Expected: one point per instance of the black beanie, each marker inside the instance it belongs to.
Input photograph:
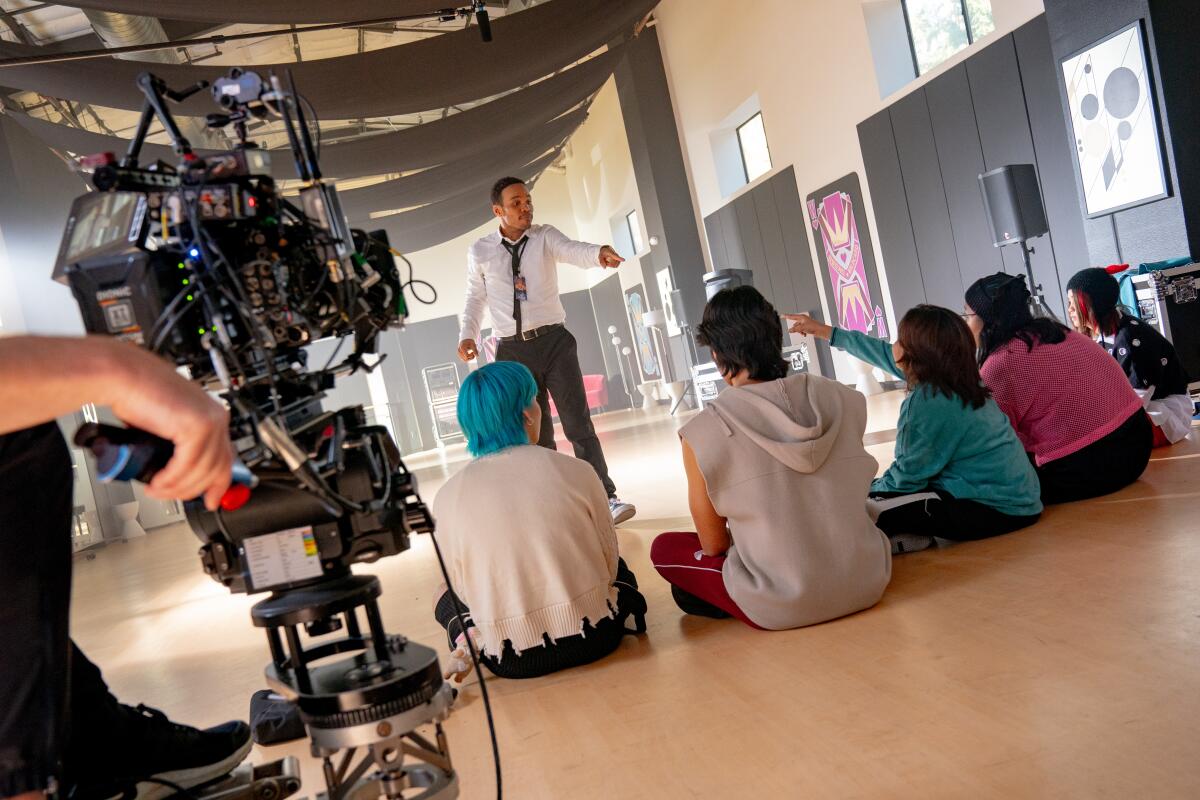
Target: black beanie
(1102, 289)
(983, 293)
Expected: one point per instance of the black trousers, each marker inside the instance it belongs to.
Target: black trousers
(554, 362)
(1103, 467)
(940, 514)
(596, 641)
(57, 717)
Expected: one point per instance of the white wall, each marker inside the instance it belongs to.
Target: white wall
(810, 64)
(601, 182)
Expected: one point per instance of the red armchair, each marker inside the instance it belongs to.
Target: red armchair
(596, 387)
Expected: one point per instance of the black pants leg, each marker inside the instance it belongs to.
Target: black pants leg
(57, 717)
(35, 571)
(554, 361)
(1103, 467)
(596, 641)
(940, 514)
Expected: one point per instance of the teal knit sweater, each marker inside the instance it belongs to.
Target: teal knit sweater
(941, 443)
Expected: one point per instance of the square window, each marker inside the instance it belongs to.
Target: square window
(635, 230)
(752, 140)
(938, 29)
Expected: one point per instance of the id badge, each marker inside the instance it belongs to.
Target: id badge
(522, 293)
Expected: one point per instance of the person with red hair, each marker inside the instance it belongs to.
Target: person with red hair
(1148, 359)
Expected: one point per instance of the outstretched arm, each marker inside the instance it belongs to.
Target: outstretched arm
(875, 352)
(42, 378)
(581, 254)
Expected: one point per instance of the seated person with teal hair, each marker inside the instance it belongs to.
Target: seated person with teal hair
(528, 541)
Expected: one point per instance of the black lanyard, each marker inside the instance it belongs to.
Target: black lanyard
(516, 250)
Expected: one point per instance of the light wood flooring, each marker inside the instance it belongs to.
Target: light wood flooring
(1059, 661)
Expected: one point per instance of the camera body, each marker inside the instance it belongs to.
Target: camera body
(211, 266)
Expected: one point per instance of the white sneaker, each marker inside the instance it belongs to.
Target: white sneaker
(621, 512)
(910, 543)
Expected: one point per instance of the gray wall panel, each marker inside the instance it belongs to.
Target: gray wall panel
(927, 200)
(774, 251)
(715, 232)
(1005, 133)
(1052, 145)
(756, 257)
(893, 225)
(608, 305)
(1151, 231)
(581, 322)
(793, 222)
(659, 168)
(960, 154)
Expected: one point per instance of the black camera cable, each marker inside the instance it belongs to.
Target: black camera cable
(487, 703)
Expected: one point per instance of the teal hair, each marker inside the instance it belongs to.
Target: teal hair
(491, 405)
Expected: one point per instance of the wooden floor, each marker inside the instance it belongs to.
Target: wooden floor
(1059, 661)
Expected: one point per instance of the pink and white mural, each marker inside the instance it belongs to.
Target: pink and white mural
(833, 215)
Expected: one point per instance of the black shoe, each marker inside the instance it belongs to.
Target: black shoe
(690, 604)
(163, 756)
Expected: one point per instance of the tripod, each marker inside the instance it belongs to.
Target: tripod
(1037, 301)
(374, 700)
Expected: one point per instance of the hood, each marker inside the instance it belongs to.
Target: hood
(796, 419)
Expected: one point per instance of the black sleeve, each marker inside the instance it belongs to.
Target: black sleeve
(1148, 359)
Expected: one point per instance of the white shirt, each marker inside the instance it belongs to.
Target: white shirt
(490, 280)
(528, 557)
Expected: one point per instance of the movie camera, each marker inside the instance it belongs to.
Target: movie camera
(210, 265)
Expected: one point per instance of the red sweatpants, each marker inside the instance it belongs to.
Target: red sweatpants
(674, 555)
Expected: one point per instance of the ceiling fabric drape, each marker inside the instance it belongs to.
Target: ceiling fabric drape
(444, 220)
(279, 12)
(447, 180)
(487, 126)
(437, 72)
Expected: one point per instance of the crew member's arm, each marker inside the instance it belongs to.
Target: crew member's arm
(711, 527)
(42, 378)
(580, 254)
(472, 316)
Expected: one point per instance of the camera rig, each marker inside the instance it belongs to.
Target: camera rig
(210, 265)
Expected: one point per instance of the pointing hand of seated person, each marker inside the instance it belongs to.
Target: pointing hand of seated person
(609, 257)
(803, 323)
(157, 399)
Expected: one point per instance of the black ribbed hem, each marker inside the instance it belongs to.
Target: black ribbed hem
(24, 779)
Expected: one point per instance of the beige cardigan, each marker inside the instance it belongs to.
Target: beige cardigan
(529, 544)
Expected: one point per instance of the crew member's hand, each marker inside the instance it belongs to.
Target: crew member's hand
(155, 398)
(803, 323)
(609, 257)
(467, 350)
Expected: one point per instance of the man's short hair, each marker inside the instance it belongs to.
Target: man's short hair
(499, 186)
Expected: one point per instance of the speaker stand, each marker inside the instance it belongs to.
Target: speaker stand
(1037, 301)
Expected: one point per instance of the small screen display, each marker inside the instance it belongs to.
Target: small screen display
(103, 220)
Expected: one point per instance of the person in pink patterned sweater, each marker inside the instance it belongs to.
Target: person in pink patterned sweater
(1069, 401)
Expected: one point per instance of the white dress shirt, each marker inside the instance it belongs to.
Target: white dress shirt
(490, 280)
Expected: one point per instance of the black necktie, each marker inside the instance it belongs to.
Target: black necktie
(515, 250)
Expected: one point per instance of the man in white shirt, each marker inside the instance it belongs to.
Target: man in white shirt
(512, 272)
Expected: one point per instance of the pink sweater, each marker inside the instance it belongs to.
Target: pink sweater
(1059, 397)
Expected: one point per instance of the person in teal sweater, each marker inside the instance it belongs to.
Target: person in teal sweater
(959, 473)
